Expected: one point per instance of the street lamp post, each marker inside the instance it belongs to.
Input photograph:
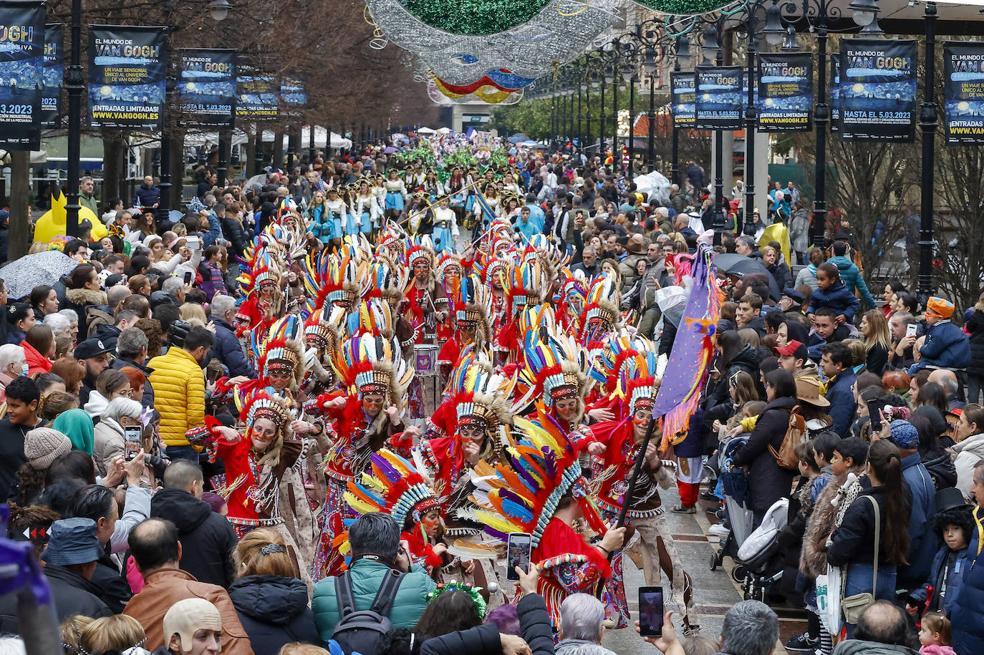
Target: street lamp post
(601, 119)
(681, 61)
(580, 137)
(712, 52)
(75, 83)
(928, 119)
(650, 69)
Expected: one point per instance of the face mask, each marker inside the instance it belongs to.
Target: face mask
(25, 369)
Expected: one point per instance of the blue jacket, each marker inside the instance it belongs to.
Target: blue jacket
(843, 407)
(837, 298)
(147, 197)
(367, 576)
(954, 577)
(922, 538)
(851, 276)
(965, 611)
(229, 351)
(946, 346)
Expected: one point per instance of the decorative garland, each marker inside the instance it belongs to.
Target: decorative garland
(473, 593)
(684, 7)
(475, 17)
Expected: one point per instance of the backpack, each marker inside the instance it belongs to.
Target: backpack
(796, 434)
(361, 631)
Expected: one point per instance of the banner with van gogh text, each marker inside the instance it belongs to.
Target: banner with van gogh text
(963, 92)
(206, 87)
(127, 68)
(718, 103)
(21, 74)
(785, 84)
(54, 74)
(878, 90)
(682, 88)
(256, 96)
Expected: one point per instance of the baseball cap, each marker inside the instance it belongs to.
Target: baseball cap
(91, 348)
(792, 349)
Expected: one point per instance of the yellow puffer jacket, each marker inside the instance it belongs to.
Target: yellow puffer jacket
(179, 394)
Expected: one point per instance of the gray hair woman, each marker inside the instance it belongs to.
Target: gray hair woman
(110, 433)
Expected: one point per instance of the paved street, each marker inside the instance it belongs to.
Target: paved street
(715, 591)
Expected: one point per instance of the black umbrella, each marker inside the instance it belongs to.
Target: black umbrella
(742, 266)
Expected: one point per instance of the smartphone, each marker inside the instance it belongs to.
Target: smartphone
(194, 243)
(518, 550)
(651, 611)
(910, 329)
(134, 441)
(874, 414)
(189, 276)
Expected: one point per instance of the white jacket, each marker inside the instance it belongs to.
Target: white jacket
(968, 452)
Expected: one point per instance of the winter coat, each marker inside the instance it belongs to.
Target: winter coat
(851, 276)
(767, 483)
(807, 276)
(837, 298)
(109, 440)
(166, 586)
(854, 539)
(923, 542)
(534, 624)
(843, 407)
(781, 274)
(946, 346)
(965, 614)
(207, 538)
(799, 231)
(179, 387)
(975, 327)
(36, 362)
(957, 562)
(968, 453)
(274, 611)
(813, 557)
(147, 196)
(229, 351)
(112, 588)
(367, 576)
(81, 300)
(233, 232)
(72, 595)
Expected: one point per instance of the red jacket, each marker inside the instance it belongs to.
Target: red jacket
(36, 362)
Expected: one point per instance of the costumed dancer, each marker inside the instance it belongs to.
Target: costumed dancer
(472, 306)
(615, 445)
(337, 212)
(262, 483)
(396, 194)
(601, 314)
(527, 287)
(539, 490)
(364, 418)
(445, 227)
(425, 309)
(367, 209)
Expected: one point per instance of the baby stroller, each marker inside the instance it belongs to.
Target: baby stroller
(759, 565)
(733, 485)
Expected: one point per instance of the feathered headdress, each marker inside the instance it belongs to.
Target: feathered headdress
(368, 364)
(637, 381)
(602, 310)
(555, 365)
(418, 249)
(473, 304)
(387, 279)
(259, 403)
(522, 494)
(393, 485)
(283, 349)
(323, 328)
(480, 393)
(527, 286)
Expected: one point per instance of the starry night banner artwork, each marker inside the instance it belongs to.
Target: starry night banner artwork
(127, 66)
(682, 85)
(719, 102)
(54, 74)
(21, 74)
(963, 92)
(206, 88)
(878, 90)
(785, 83)
(257, 97)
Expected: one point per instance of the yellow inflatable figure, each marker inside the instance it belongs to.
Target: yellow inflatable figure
(51, 225)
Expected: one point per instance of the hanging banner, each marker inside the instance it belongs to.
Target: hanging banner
(878, 90)
(256, 96)
(21, 74)
(54, 74)
(293, 93)
(718, 103)
(835, 92)
(206, 88)
(785, 85)
(127, 68)
(682, 89)
(963, 92)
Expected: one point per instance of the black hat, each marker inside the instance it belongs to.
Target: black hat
(91, 348)
(950, 498)
(71, 542)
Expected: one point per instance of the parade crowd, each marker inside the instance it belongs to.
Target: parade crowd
(307, 417)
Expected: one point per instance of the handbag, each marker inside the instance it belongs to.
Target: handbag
(795, 435)
(854, 605)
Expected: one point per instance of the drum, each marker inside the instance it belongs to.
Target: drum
(425, 359)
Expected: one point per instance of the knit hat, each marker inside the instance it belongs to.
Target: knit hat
(42, 446)
(904, 434)
(939, 307)
(188, 616)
